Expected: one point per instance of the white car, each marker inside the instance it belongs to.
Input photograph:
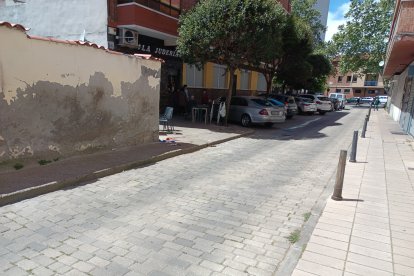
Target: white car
(255, 110)
(323, 104)
(367, 100)
(383, 99)
(305, 105)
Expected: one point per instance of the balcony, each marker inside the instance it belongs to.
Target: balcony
(155, 5)
(370, 83)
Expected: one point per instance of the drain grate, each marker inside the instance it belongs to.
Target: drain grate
(398, 132)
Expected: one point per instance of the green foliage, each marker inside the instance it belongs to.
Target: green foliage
(294, 236)
(230, 32)
(362, 42)
(306, 216)
(44, 162)
(18, 166)
(236, 33)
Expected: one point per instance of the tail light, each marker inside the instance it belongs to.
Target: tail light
(286, 103)
(263, 112)
(318, 102)
(306, 104)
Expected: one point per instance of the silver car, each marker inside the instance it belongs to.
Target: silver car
(305, 105)
(323, 104)
(248, 110)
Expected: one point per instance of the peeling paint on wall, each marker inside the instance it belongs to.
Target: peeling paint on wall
(73, 99)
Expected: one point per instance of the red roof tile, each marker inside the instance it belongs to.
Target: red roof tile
(73, 42)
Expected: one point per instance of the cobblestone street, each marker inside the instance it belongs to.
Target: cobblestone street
(223, 210)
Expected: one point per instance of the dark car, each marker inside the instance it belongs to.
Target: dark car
(289, 101)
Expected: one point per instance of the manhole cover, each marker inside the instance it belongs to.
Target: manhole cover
(398, 132)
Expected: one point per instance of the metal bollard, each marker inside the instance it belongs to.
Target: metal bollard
(364, 128)
(369, 111)
(354, 147)
(340, 173)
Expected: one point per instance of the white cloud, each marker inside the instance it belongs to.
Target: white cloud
(335, 19)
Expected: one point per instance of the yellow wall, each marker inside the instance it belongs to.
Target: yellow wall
(253, 80)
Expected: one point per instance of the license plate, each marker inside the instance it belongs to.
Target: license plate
(276, 113)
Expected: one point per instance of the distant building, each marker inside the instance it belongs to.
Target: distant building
(355, 85)
(399, 65)
(323, 7)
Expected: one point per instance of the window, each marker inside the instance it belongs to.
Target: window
(261, 83)
(194, 76)
(358, 91)
(338, 90)
(347, 91)
(220, 76)
(244, 79)
(339, 78)
(371, 91)
(348, 78)
(354, 78)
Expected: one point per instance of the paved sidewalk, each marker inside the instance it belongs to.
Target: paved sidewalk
(372, 231)
(34, 179)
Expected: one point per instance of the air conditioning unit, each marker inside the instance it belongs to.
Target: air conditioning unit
(128, 38)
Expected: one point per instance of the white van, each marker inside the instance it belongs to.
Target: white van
(383, 99)
(341, 97)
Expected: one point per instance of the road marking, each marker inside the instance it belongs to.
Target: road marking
(303, 125)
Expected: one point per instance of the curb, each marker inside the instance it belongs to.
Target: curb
(17, 196)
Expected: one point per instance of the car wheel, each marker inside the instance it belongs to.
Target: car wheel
(245, 120)
(289, 116)
(269, 125)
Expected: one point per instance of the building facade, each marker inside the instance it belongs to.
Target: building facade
(399, 65)
(323, 7)
(354, 84)
(133, 27)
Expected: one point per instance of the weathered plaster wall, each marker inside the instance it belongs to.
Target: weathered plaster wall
(63, 19)
(59, 98)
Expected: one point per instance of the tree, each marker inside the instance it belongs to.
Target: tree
(297, 46)
(230, 32)
(361, 43)
(305, 10)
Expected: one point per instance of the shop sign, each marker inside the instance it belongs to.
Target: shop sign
(157, 50)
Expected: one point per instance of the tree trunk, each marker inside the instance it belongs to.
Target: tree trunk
(268, 78)
(229, 93)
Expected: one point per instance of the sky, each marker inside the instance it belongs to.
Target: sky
(337, 10)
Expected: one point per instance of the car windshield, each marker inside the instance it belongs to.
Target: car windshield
(275, 102)
(262, 102)
(339, 96)
(323, 98)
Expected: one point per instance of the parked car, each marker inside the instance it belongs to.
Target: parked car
(341, 98)
(367, 100)
(289, 102)
(353, 100)
(383, 100)
(305, 105)
(335, 104)
(255, 110)
(323, 104)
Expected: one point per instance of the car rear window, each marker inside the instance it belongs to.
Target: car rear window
(291, 100)
(262, 102)
(306, 100)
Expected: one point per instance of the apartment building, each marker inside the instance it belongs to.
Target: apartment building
(354, 84)
(399, 65)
